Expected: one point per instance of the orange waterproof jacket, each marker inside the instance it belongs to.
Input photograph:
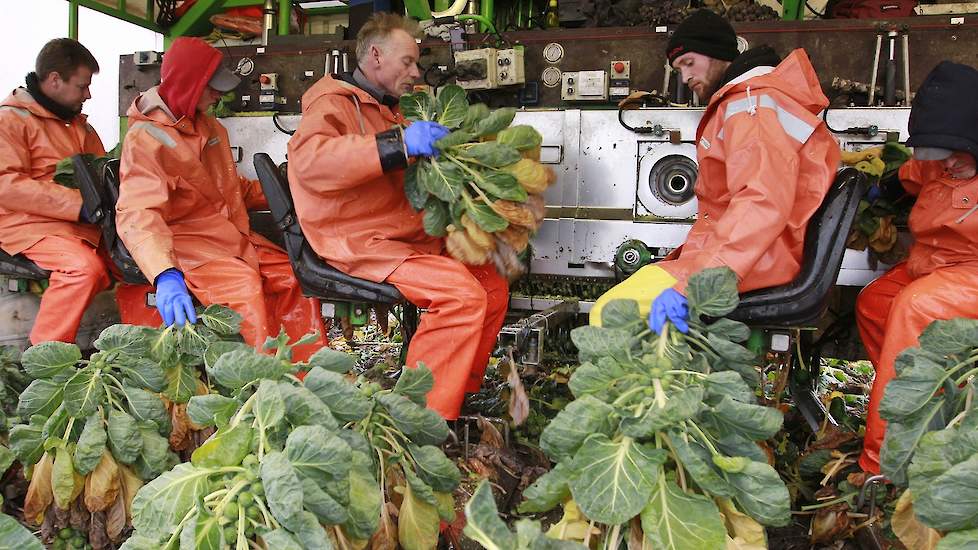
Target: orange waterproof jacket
(181, 201)
(32, 142)
(766, 161)
(354, 214)
(944, 220)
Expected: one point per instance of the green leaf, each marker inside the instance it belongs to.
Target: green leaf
(346, 403)
(959, 540)
(495, 122)
(452, 106)
(211, 409)
(521, 136)
(615, 478)
(548, 491)
(761, 494)
(675, 520)
(63, 477)
(492, 154)
(125, 441)
(417, 106)
(124, 339)
(221, 319)
(443, 179)
(902, 438)
(458, 137)
(216, 349)
(56, 424)
(269, 406)
(753, 421)
(27, 443)
(280, 539)
(731, 464)
(6, 459)
(317, 455)
(415, 383)
(697, 460)
(680, 407)
(15, 535)
(912, 388)
(712, 292)
(146, 406)
(325, 507)
(501, 185)
(606, 380)
(333, 361)
(727, 384)
(733, 353)
(49, 359)
(162, 503)
(436, 469)
(181, 383)
(436, 217)
(944, 481)
(84, 392)
(446, 506)
(311, 536)
(483, 524)
(227, 447)
(90, 446)
(302, 407)
(728, 329)
(623, 314)
(155, 456)
(415, 192)
(142, 372)
(204, 532)
(235, 369)
(417, 520)
(365, 502)
(41, 397)
(484, 216)
(581, 418)
(423, 426)
(473, 116)
(950, 337)
(283, 492)
(596, 342)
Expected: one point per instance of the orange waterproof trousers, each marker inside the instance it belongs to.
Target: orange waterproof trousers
(266, 299)
(891, 312)
(465, 307)
(78, 273)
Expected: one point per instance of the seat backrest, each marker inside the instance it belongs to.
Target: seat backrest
(279, 197)
(100, 191)
(804, 299)
(19, 267)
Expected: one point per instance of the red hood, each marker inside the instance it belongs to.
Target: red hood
(187, 67)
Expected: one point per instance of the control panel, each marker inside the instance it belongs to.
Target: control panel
(619, 84)
(584, 86)
(489, 68)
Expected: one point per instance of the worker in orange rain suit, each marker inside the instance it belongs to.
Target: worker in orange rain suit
(939, 280)
(183, 208)
(766, 161)
(346, 164)
(39, 126)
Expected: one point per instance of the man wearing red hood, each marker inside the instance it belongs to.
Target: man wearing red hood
(346, 171)
(39, 126)
(766, 161)
(183, 208)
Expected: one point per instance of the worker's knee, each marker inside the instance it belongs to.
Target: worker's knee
(85, 266)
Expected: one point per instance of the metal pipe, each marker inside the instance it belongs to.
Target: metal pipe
(284, 17)
(268, 19)
(487, 10)
(906, 68)
(480, 19)
(441, 5)
(889, 89)
(876, 62)
(73, 19)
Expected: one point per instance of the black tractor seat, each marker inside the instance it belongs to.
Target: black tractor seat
(19, 267)
(805, 299)
(99, 195)
(317, 278)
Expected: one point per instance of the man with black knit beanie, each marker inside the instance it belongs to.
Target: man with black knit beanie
(766, 161)
(39, 126)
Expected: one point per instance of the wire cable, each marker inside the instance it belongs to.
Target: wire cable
(279, 126)
(167, 13)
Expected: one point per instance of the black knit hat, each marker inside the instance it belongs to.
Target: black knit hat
(703, 32)
(945, 113)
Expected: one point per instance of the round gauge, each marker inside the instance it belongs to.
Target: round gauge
(553, 52)
(551, 77)
(742, 44)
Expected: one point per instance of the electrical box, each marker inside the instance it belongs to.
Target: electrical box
(146, 58)
(619, 84)
(584, 86)
(268, 82)
(509, 67)
(476, 69)
(269, 98)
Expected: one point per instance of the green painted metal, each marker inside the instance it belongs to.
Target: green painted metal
(487, 10)
(145, 22)
(484, 21)
(793, 10)
(442, 5)
(73, 19)
(328, 10)
(418, 9)
(284, 16)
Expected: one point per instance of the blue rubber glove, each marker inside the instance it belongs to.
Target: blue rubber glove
(173, 300)
(671, 306)
(873, 193)
(420, 138)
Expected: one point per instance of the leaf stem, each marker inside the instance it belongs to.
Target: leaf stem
(660, 393)
(705, 438)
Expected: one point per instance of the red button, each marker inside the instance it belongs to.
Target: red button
(264, 79)
(619, 67)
